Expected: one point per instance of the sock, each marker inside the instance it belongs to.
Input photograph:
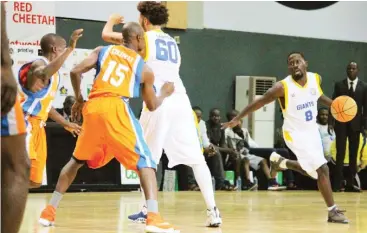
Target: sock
(283, 164)
(204, 180)
(331, 207)
(152, 206)
(55, 199)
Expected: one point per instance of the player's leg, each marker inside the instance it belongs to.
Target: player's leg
(89, 146)
(127, 143)
(38, 152)
(155, 126)
(14, 170)
(183, 147)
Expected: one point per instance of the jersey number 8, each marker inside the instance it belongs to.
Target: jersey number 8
(166, 50)
(119, 75)
(308, 115)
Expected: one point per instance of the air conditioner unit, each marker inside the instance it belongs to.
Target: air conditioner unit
(260, 123)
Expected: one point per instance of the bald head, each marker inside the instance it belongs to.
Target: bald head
(51, 42)
(131, 30)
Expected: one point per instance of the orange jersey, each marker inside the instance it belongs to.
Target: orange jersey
(37, 104)
(119, 71)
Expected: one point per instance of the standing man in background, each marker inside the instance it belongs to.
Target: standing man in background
(356, 89)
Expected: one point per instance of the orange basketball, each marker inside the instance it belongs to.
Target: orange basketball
(344, 108)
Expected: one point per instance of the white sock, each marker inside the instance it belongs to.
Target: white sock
(204, 180)
(152, 206)
(274, 157)
(55, 199)
(283, 164)
(331, 207)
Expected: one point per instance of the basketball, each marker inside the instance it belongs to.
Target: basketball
(344, 108)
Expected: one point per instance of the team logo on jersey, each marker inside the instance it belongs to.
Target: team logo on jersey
(313, 91)
(11, 50)
(63, 91)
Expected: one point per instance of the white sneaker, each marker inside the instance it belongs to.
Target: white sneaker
(213, 218)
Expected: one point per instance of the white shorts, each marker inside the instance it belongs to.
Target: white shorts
(172, 127)
(254, 160)
(307, 146)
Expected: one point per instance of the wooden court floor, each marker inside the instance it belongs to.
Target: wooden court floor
(255, 212)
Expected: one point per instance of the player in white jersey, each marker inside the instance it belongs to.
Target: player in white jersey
(298, 95)
(173, 126)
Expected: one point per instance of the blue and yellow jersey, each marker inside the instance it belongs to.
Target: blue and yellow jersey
(119, 72)
(37, 104)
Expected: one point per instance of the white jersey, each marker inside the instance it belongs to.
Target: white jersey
(300, 108)
(164, 58)
(300, 130)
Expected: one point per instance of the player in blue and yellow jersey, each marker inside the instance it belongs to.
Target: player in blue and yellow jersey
(14, 158)
(120, 74)
(39, 81)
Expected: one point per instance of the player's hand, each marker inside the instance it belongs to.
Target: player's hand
(234, 122)
(73, 128)
(116, 19)
(76, 111)
(8, 91)
(75, 37)
(167, 89)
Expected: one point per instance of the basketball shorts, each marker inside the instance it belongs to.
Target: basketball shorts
(173, 127)
(110, 130)
(307, 146)
(13, 123)
(36, 147)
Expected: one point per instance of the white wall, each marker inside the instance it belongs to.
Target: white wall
(97, 10)
(341, 21)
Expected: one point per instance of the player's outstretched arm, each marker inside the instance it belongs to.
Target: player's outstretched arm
(325, 100)
(8, 83)
(108, 34)
(149, 96)
(272, 94)
(76, 73)
(39, 70)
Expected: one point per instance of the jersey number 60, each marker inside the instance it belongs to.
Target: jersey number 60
(166, 50)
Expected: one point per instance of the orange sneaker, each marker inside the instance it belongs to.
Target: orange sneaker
(48, 216)
(155, 224)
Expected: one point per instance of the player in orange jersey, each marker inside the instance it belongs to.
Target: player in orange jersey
(39, 81)
(14, 158)
(120, 73)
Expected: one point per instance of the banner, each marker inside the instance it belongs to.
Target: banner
(27, 22)
(128, 176)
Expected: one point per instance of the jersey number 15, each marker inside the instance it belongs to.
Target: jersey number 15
(118, 77)
(166, 50)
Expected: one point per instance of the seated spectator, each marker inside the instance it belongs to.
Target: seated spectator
(66, 110)
(215, 160)
(240, 140)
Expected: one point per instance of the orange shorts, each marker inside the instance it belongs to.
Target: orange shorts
(37, 148)
(110, 130)
(13, 123)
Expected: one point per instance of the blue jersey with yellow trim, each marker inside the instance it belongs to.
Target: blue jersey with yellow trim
(37, 104)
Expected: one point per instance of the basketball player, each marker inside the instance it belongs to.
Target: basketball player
(39, 82)
(14, 158)
(120, 71)
(172, 126)
(298, 94)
